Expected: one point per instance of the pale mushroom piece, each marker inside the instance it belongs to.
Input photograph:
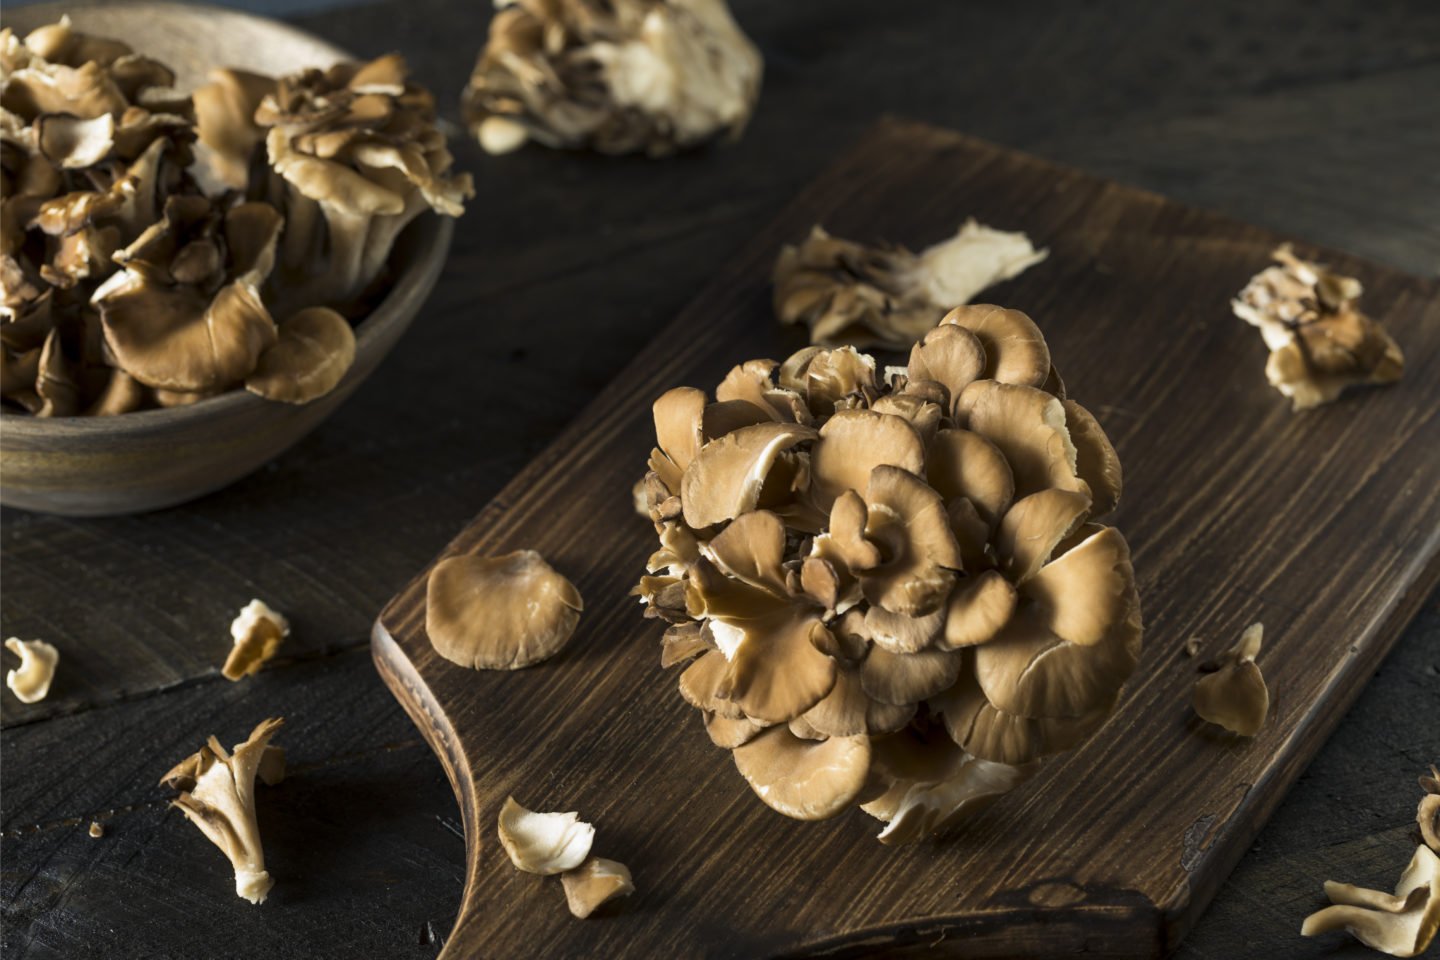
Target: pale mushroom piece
(626, 76)
(97, 829)
(594, 883)
(847, 292)
(1401, 924)
(1015, 350)
(1234, 695)
(726, 477)
(499, 613)
(988, 732)
(804, 779)
(311, 354)
(221, 802)
(30, 682)
(1427, 814)
(1320, 343)
(543, 843)
(257, 632)
(925, 809)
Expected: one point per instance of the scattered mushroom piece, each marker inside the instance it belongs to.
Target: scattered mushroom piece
(621, 76)
(1427, 815)
(850, 562)
(1234, 694)
(850, 293)
(30, 682)
(97, 829)
(257, 631)
(594, 883)
(499, 613)
(220, 800)
(1320, 343)
(543, 843)
(1401, 924)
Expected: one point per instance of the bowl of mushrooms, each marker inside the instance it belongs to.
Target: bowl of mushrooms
(198, 265)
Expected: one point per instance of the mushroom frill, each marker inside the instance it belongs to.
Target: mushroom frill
(891, 590)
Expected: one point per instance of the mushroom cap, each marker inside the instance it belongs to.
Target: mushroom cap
(543, 843)
(924, 809)
(725, 478)
(848, 711)
(852, 444)
(499, 613)
(804, 779)
(310, 356)
(595, 882)
(959, 463)
(978, 610)
(1034, 526)
(1015, 350)
(950, 355)
(919, 552)
(1235, 695)
(1402, 924)
(1028, 427)
(1095, 459)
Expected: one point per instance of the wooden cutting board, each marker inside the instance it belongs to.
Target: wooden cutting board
(1324, 525)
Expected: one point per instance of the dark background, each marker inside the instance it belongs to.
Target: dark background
(1317, 119)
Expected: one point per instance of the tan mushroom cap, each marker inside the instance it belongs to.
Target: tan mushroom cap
(1401, 924)
(844, 543)
(960, 463)
(988, 732)
(72, 143)
(309, 358)
(1235, 696)
(678, 414)
(777, 671)
(1081, 594)
(950, 355)
(499, 613)
(543, 843)
(977, 610)
(1028, 427)
(848, 711)
(1034, 526)
(1015, 349)
(595, 882)
(728, 733)
(900, 633)
(852, 444)
(901, 678)
(919, 553)
(725, 479)
(923, 809)
(700, 681)
(804, 779)
(225, 118)
(1095, 459)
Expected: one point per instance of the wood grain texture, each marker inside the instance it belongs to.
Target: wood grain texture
(1325, 526)
(1313, 118)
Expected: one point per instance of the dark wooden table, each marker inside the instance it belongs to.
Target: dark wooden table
(1316, 119)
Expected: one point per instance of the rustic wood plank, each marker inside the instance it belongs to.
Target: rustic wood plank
(1326, 526)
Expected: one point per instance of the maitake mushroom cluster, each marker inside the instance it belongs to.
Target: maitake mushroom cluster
(1320, 343)
(617, 76)
(891, 589)
(130, 277)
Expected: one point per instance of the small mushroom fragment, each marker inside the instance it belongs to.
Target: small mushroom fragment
(616, 76)
(257, 631)
(1401, 924)
(595, 882)
(310, 356)
(499, 613)
(30, 682)
(891, 591)
(220, 800)
(543, 843)
(1320, 343)
(1427, 815)
(97, 829)
(846, 292)
(1234, 694)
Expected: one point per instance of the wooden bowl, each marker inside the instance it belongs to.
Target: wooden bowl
(99, 466)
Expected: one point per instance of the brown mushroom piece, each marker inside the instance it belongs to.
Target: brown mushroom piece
(1401, 924)
(1320, 343)
(1015, 350)
(499, 613)
(311, 354)
(853, 443)
(257, 632)
(594, 883)
(623, 76)
(1028, 427)
(1234, 695)
(919, 553)
(851, 293)
(804, 779)
(726, 477)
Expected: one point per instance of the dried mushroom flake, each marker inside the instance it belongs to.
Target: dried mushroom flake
(257, 631)
(850, 293)
(1401, 924)
(1234, 694)
(499, 613)
(30, 682)
(616, 76)
(219, 797)
(1320, 343)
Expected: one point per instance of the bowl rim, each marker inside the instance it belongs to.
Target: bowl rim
(428, 236)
